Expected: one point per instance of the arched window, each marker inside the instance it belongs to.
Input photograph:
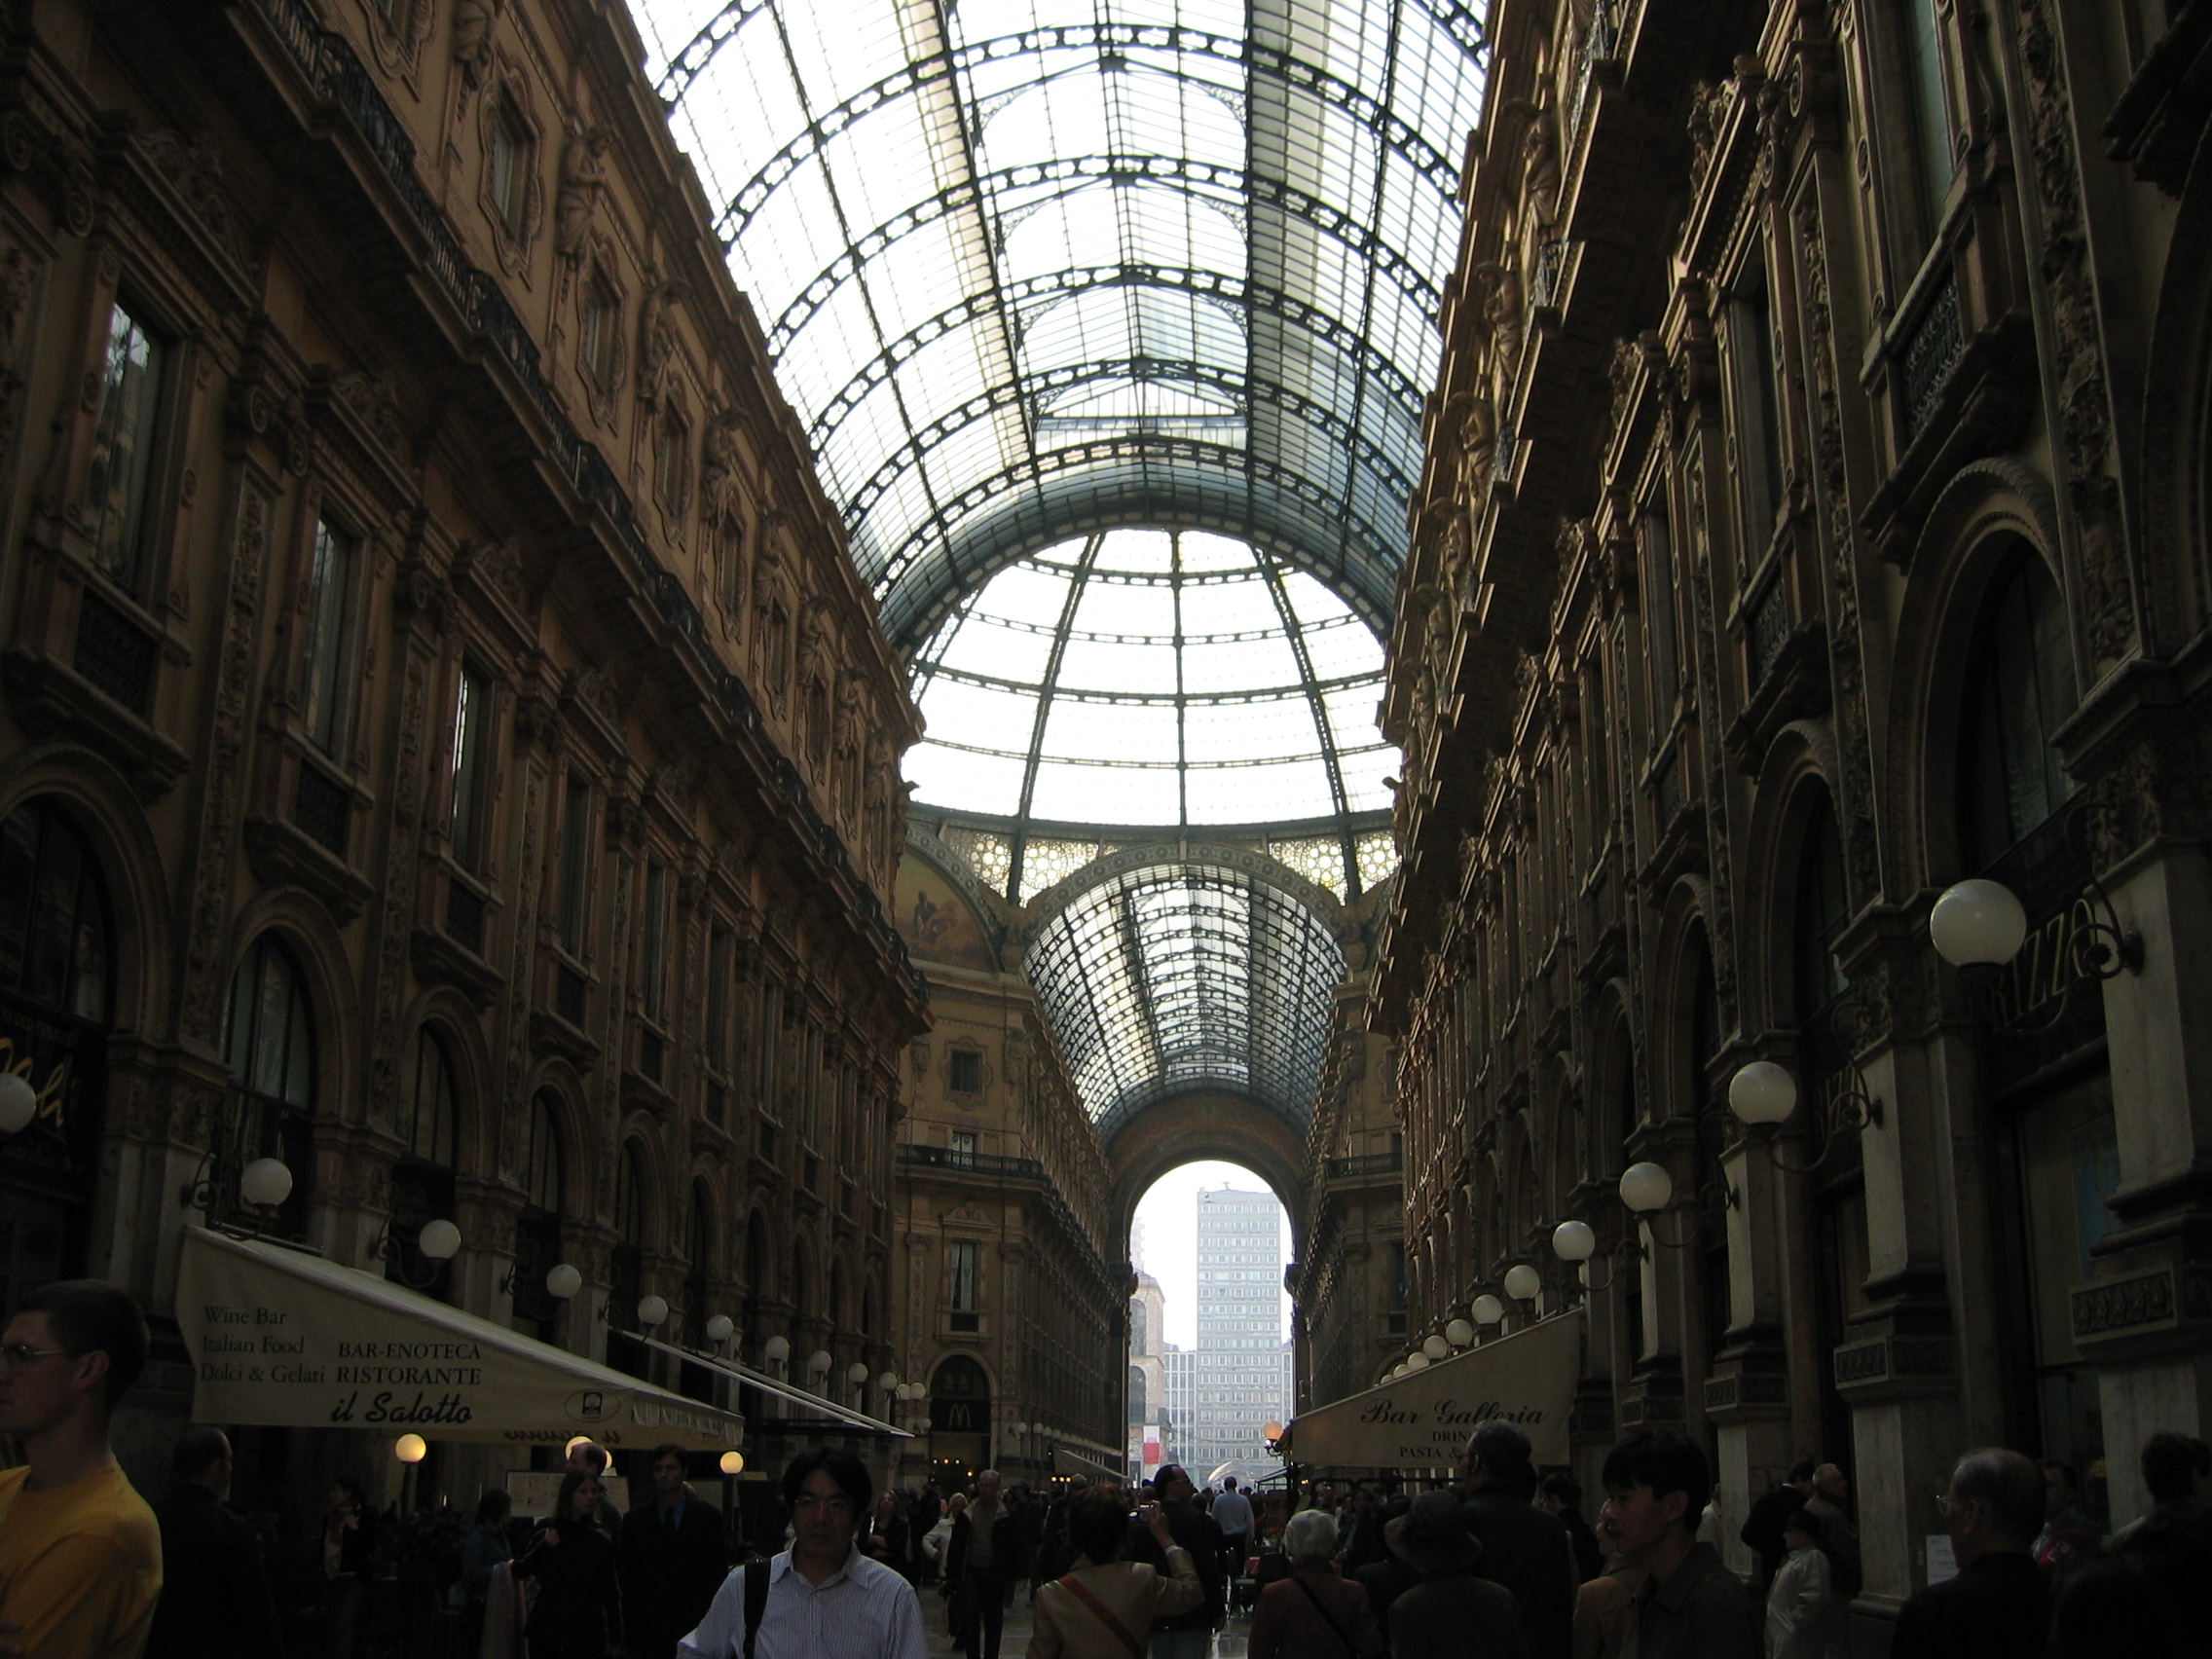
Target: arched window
(537, 1232)
(626, 1266)
(795, 1280)
(2022, 689)
(423, 1180)
(698, 1286)
(273, 1066)
(757, 1268)
(1822, 913)
(55, 943)
(1708, 1105)
(959, 1398)
(1136, 1395)
(55, 1007)
(836, 1307)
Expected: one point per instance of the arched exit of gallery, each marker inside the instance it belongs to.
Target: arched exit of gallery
(1211, 1356)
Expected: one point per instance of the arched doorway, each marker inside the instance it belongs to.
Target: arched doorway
(960, 1420)
(57, 1001)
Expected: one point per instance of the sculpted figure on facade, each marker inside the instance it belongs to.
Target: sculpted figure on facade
(583, 176)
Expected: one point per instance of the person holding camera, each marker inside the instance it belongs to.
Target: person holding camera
(1101, 1607)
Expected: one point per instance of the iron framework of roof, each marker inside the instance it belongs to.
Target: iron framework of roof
(1025, 279)
(1178, 977)
(909, 192)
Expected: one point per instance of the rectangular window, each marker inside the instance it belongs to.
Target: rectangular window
(471, 768)
(600, 333)
(572, 903)
(967, 1071)
(671, 464)
(324, 665)
(1922, 41)
(771, 1040)
(963, 1149)
(652, 939)
(123, 445)
(718, 999)
(510, 166)
(965, 1263)
(1658, 574)
(1758, 423)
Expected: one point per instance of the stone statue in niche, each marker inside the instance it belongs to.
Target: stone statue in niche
(583, 175)
(1502, 310)
(1477, 443)
(472, 24)
(1539, 170)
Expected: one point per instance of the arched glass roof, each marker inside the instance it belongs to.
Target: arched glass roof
(1187, 976)
(1175, 263)
(1151, 678)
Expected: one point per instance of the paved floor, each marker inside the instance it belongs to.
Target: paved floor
(1228, 1643)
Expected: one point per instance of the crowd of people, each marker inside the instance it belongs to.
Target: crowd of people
(1503, 1564)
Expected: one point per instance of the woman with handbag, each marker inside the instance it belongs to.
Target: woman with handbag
(579, 1613)
(1103, 1606)
(1313, 1612)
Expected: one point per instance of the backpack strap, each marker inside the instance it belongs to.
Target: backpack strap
(756, 1600)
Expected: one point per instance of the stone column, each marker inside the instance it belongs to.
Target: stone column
(1747, 1386)
(1898, 1365)
(2145, 1319)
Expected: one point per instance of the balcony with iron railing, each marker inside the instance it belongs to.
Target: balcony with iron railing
(1365, 1166)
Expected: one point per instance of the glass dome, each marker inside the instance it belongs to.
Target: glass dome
(1151, 678)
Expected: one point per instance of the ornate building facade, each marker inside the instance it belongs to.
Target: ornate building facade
(1811, 522)
(1010, 1291)
(1348, 1286)
(446, 744)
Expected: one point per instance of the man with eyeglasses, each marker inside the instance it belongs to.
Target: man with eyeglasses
(1999, 1601)
(80, 1551)
(821, 1599)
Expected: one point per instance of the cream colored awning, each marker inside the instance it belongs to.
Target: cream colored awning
(1423, 1419)
(789, 1392)
(282, 1337)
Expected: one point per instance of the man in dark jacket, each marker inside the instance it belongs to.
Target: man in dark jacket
(215, 1602)
(672, 1559)
(980, 1560)
(1999, 1602)
(1187, 1635)
(1523, 1549)
(1689, 1606)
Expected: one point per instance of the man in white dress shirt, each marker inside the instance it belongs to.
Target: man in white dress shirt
(825, 1599)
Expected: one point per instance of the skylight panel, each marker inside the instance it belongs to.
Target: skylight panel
(1363, 771)
(1136, 734)
(1025, 592)
(1115, 612)
(984, 644)
(979, 782)
(1147, 552)
(1103, 794)
(1245, 794)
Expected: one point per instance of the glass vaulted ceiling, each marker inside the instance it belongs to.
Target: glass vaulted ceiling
(1151, 678)
(1031, 273)
(1030, 269)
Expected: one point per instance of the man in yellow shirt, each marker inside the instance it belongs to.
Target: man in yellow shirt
(80, 1552)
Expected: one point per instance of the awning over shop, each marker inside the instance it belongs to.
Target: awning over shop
(1423, 1419)
(282, 1337)
(1066, 1461)
(859, 1423)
